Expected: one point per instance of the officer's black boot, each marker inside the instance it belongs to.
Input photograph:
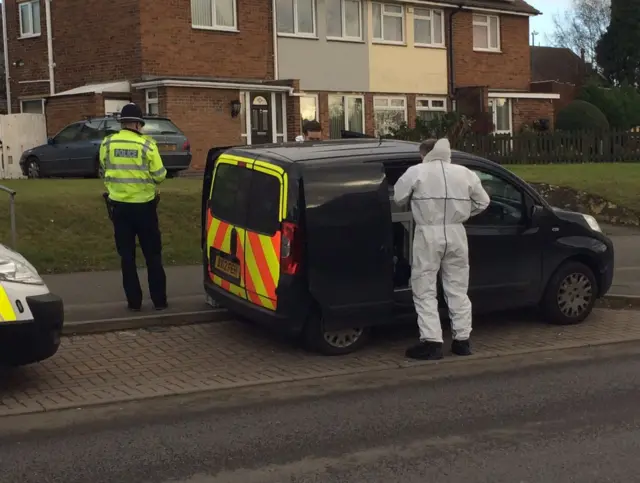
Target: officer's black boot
(461, 347)
(425, 351)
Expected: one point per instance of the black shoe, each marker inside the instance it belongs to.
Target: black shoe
(461, 347)
(161, 307)
(425, 351)
(133, 308)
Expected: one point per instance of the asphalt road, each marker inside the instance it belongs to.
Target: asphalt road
(554, 417)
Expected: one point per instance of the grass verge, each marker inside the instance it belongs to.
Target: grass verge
(616, 182)
(63, 226)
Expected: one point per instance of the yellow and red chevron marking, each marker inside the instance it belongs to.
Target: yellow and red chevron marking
(219, 237)
(262, 255)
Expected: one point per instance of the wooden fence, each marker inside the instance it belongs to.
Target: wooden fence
(555, 147)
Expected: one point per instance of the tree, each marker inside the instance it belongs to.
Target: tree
(621, 105)
(617, 51)
(581, 26)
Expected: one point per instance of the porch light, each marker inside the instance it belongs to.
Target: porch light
(236, 105)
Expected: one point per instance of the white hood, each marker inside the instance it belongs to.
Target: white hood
(440, 152)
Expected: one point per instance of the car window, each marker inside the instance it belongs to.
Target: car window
(111, 126)
(91, 130)
(231, 185)
(69, 133)
(507, 202)
(264, 210)
(159, 126)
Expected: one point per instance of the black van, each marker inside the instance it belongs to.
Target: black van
(305, 237)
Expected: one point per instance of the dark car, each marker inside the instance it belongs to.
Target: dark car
(306, 237)
(74, 150)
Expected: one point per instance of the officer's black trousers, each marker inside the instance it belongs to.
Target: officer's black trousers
(141, 220)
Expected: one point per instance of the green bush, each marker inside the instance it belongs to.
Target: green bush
(450, 125)
(581, 116)
(621, 105)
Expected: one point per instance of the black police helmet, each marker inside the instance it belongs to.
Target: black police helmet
(131, 113)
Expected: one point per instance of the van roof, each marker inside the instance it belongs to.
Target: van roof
(311, 151)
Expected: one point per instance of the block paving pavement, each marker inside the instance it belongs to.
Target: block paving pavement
(121, 366)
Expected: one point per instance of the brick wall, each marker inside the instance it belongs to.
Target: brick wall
(510, 69)
(568, 92)
(526, 111)
(204, 115)
(87, 47)
(61, 111)
(171, 47)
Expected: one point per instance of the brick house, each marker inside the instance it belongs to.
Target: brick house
(230, 72)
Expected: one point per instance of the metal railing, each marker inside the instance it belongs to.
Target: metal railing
(12, 213)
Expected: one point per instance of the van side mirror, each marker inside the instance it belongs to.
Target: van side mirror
(537, 212)
(50, 141)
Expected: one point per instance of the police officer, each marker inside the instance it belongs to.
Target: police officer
(132, 170)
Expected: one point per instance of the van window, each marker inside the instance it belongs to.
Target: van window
(246, 198)
(231, 187)
(265, 209)
(506, 206)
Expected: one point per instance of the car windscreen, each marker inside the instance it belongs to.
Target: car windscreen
(159, 126)
(246, 198)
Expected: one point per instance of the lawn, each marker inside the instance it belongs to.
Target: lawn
(616, 182)
(63, 226)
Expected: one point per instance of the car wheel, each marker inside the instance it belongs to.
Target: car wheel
(334, 342)
(98, 169)
(33, 168)
(570, 294)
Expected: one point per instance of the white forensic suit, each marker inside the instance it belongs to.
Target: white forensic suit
(443, 196)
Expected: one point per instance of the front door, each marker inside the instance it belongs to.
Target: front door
(261, 128)
(505, 253)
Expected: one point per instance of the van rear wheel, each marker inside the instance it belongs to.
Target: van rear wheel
(570, 294)
(334, 342)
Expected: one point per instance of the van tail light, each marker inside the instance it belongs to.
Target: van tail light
(186, 146)
(291, 249)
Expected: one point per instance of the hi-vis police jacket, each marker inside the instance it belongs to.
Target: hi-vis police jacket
(132, 167)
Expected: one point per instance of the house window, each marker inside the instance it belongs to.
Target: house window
(308, 108)
(214, 14)
(388, 23)
(500, 110)
(296, 17)
(151, 98)
(30, 18)
(278, 113)
(345, 113)
(389, 113)
(428, 109)
(486, 32)
(32, 106)
(428, 27)
(344, 19)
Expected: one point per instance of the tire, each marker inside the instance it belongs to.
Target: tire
(333, 343)
(98, 169)
(33, 168)
(570, 294)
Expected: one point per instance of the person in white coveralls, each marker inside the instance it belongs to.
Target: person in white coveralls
(443, 196)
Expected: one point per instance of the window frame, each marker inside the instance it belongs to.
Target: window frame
(149, 101)
(523, 200)
(22, 101)
(344, 36)
(33, 33)
(486, 23)
(417, 17)
(402, 15)
(430, 107)
(494, 115)
(345, 107)
(223, 28)
(317, 109)
(403, 109)
(296, 33)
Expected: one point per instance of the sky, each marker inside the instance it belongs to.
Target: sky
(543, 24)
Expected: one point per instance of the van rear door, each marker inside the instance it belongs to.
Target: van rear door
(247, 206)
